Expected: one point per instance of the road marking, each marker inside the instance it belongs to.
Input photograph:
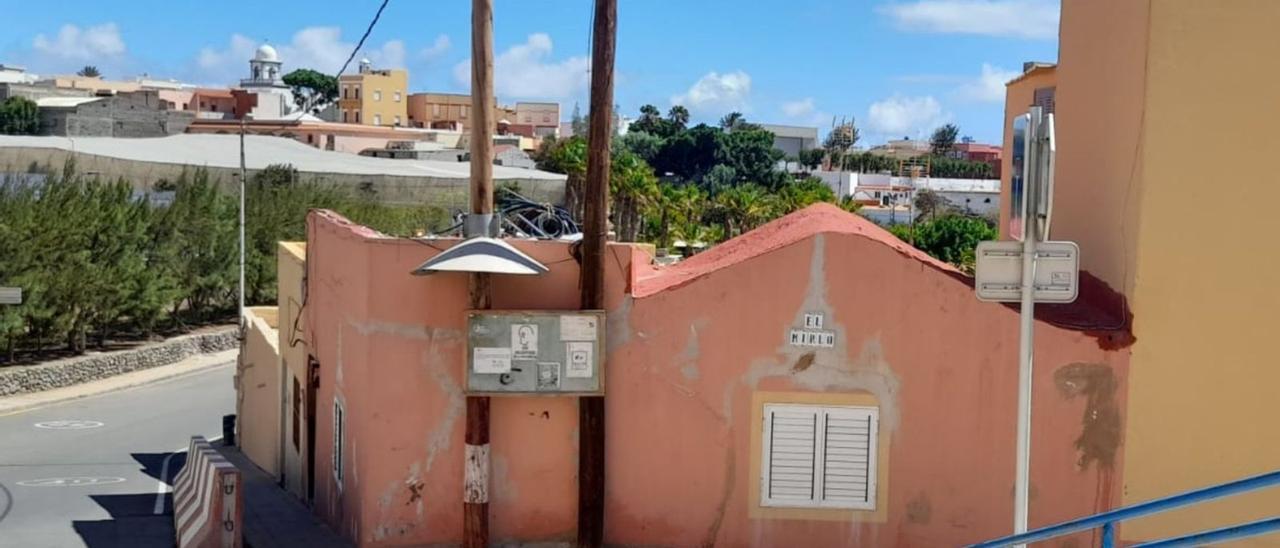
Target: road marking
(72, 424)
(8, 501)
(162, 487)
(78, 481)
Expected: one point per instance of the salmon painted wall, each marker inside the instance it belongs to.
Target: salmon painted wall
(694, 352)
(1203, 403)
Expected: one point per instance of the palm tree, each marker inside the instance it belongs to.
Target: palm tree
(89, 71)
(944, 139)
(732, 120)
(678, 116)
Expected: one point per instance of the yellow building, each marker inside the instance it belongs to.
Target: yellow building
(1164, 109)
(374, 97)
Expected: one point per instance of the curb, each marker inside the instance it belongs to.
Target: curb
(113, 384)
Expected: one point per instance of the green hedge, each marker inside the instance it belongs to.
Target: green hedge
(95, 260)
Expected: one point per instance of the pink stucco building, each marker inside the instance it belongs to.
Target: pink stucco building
(915, 390)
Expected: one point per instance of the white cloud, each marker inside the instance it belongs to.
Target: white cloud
(437, 48)
(1034, 19)
(900, 116)
(527, 71)
(797, 109)
(987, 87)
(318, 48)
(717, 93)
(88, 44)
(805, 112)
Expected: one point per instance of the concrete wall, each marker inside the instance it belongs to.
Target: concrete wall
(1204, 300)
(257, 384)
(291, 275)
(694, 353)
(392, 189)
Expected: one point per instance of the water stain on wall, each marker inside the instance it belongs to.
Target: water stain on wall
(1100, 426)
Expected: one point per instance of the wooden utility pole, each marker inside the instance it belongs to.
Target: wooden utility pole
(475, 495)
(591, 465)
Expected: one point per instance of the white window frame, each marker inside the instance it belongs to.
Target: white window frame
(339, 433)
(377, 119)
(377, 95)
(822, 414)
(397, 96)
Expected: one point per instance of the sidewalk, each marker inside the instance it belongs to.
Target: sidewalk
(195, 364)
(273, 517)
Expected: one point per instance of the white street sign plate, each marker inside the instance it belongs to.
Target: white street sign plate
(998, 272)
(10, 295)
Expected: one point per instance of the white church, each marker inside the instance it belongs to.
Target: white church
(266, 80)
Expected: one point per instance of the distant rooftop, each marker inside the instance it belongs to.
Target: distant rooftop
(64, 102)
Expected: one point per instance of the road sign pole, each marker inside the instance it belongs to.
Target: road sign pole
(1026, 336)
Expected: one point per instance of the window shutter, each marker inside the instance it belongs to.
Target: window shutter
(848, 460)
(791, 451)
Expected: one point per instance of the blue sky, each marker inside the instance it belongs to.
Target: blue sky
(899, 67)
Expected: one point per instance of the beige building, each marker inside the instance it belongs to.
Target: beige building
(544, 117)
(448, 111)
(1135, 83)
(374, 97)
(94, 84)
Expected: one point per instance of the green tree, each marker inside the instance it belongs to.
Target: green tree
(949, 238)
(89, 71)
(651, 122)
(577, 122)
(679, 117)
(811, 158)
(944, 139)
(632, 191)
(19, 116)
(751, 155)
(645, 145)
(732, 120)
(690, 154)
(311, 89)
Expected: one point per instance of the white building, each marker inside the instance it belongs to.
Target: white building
(266, 80)
(13, 74)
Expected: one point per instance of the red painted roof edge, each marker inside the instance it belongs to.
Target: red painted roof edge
(336, 220)
(800, 225)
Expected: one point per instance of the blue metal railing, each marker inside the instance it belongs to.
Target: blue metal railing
(1107, 520)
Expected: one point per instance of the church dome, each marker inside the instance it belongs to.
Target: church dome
(266, 53)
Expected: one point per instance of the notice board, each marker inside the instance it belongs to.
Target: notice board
(528, 352)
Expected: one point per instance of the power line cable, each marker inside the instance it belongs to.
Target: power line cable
(367, 31)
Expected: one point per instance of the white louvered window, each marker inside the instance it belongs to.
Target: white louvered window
(819, 456)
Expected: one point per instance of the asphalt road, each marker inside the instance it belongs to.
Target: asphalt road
(87, 472)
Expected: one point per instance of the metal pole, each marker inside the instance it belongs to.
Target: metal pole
(243, 185)
(591, 409)
(1026, 336)
(475, 493)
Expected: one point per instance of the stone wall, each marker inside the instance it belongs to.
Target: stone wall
(128, 114)
(60, 373)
